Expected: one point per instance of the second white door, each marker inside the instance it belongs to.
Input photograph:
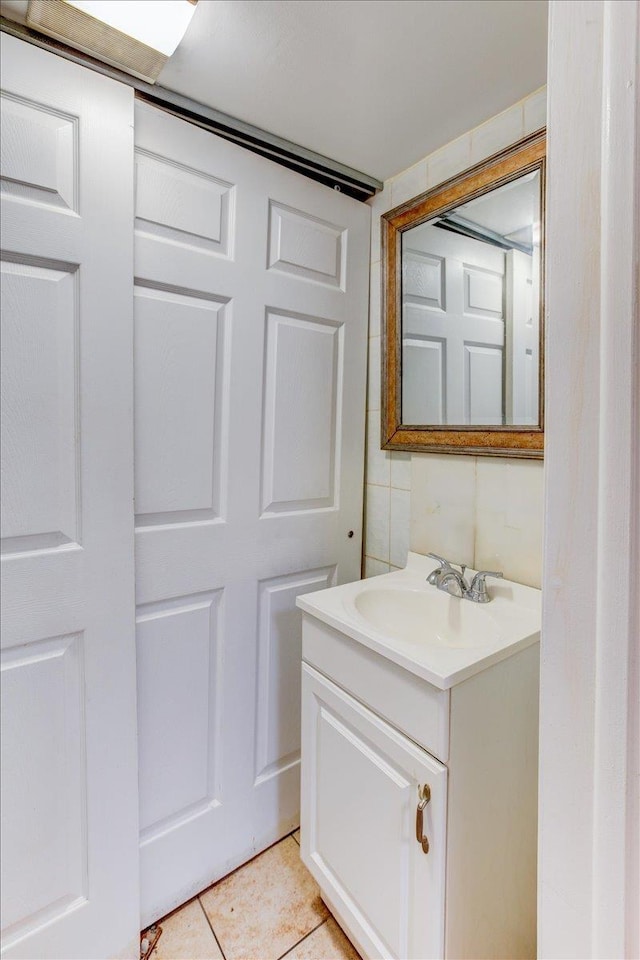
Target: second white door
(250, 351)
(453, 329)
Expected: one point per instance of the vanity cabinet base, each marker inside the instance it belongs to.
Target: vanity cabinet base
(472, 894)
(358, 838)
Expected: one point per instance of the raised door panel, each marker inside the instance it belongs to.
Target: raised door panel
(483, 367)
(360, 783)
(38, 148)
(483, 292)
(278, 668)
(179, 652)
(300, 442)
(181, 205)
(305, 246)
(423, 279)
(179, 372)
(424, 366)
(40, 400)
(348, 769)
(44, 770)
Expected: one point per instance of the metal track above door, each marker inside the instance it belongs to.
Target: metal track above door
(332, 174)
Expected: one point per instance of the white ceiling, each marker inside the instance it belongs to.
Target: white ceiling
(374, 84)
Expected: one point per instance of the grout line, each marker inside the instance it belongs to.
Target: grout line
(302, 939)
(206, 916)
(372, 556)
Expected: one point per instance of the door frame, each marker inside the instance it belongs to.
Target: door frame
(589, 737)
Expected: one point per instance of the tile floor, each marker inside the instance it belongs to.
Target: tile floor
(268, 909)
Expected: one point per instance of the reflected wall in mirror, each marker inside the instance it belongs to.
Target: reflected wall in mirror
(463, 346)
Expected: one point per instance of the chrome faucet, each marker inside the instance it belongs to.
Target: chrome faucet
(446, 578)
(452, 581)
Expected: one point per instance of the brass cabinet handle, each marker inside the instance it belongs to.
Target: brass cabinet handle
(424, 795)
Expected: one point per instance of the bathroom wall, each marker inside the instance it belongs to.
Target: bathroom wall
(482, 511)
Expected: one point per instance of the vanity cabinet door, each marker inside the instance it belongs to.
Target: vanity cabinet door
(360, 781)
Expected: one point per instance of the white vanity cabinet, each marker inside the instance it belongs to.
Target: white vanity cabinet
(373, 734)
(360, 799)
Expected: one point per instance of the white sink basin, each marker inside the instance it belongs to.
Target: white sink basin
(428, 616)
(441, 638)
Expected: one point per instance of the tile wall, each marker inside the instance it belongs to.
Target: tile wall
(482, 511)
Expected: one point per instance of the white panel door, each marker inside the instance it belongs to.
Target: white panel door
(250, 352)
(69, 769)
(359, 802)
(453, 329)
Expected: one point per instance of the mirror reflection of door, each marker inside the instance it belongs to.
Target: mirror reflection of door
(470, 311)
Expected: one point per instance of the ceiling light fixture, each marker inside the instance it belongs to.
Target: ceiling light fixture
(137, 36)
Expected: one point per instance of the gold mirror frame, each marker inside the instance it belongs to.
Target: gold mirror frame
(497, 441)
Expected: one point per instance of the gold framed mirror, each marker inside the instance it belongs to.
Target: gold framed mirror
(463, 309)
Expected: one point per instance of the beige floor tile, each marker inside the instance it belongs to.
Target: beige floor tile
(264, 908)
(186, 935)
(328, 942)
(296, 835)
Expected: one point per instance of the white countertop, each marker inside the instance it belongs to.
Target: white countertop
(509, 622)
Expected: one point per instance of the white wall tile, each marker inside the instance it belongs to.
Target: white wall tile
(379, 205)
(378, 461)
(496, 134)
(373, 402)
(374, 568)
(535, 111)
(399, 527)
(410, 183)
(401, 471)
(443, 491)
(449, 161)
(374, 300)
(377, 525)
(509, 518)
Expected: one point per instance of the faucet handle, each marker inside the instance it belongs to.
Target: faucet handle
(478, 589)
(435, 574)
(445, 566)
